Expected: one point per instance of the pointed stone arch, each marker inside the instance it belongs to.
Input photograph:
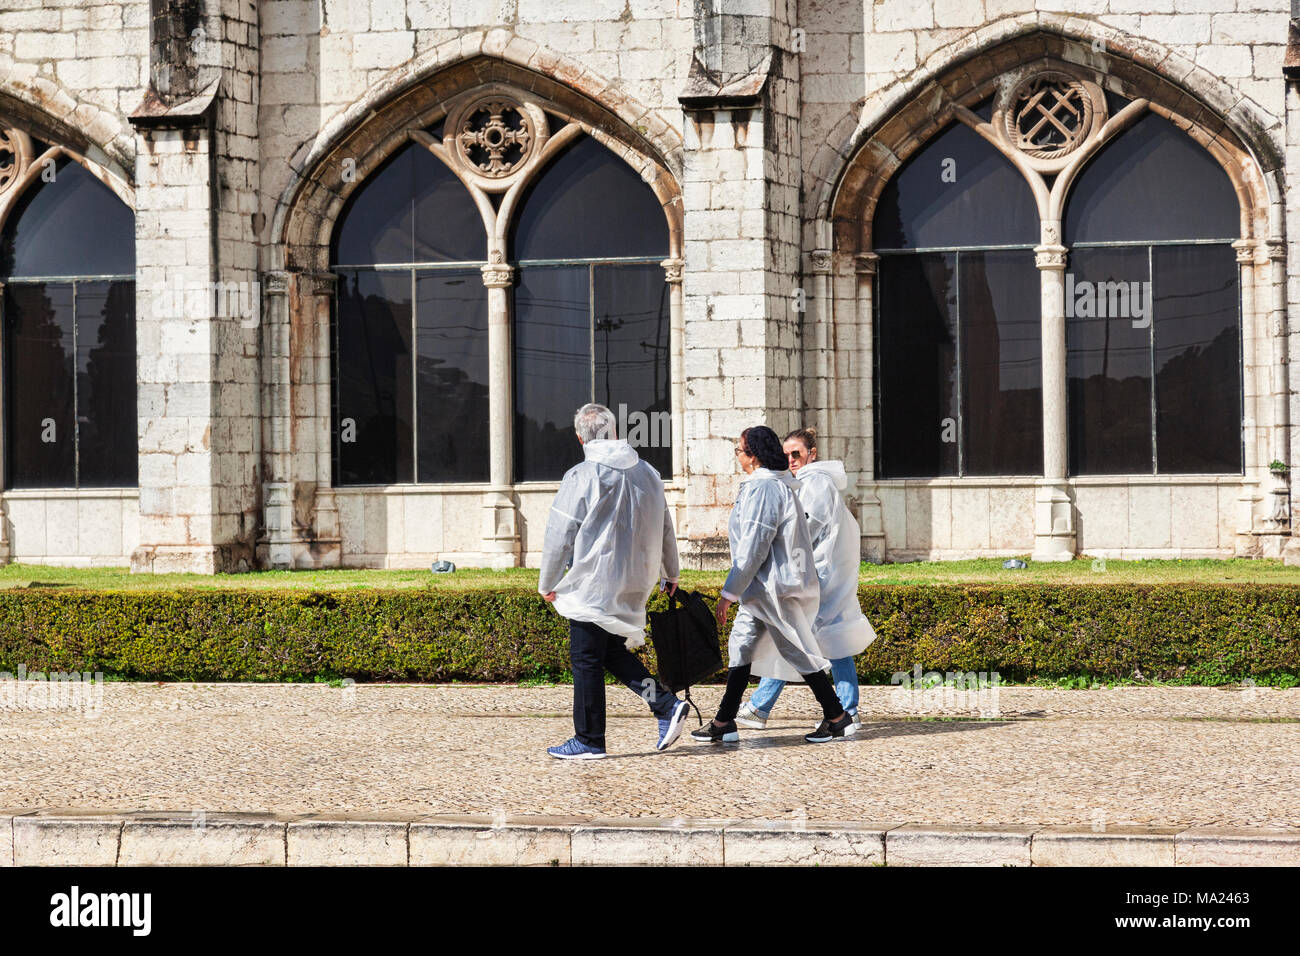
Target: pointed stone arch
(418, 96)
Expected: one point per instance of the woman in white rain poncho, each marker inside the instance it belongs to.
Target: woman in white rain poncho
(842, 629)
(773, 577)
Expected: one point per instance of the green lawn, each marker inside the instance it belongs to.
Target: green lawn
(983, 570)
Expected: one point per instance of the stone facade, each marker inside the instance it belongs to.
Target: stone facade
(765, 127)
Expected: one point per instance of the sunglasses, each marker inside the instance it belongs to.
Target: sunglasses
(794, 455)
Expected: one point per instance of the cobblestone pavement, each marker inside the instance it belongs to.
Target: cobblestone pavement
(1131, 755)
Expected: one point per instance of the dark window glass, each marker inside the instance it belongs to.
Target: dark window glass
(553, 376)
(74, 225)
(1152, 183)
(411, 209)
(1001, 336)
(374, 383)
(106, 409)
(632, 357)
(918, 396)
(956, 191)
(1108, 343)
(452, 368)
(589, 203)
(39, 399)
(1197, 348)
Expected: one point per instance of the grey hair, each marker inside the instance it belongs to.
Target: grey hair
(593, 422)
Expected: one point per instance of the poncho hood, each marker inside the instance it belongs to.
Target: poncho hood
(614, 452)
(782, 476)
(834, 470)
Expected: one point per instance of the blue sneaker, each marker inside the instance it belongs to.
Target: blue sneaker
(575, 749)
(670, 728)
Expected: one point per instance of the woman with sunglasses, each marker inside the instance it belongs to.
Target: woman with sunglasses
(774, 579)
(842, 630)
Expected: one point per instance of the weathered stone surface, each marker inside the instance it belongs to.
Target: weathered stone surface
(927, 845)
(203, 840)
(1115, 846)
(485, 841)
(767, 843)
(1221, 846)
(649, 842)
(65, 838)
(338, 841)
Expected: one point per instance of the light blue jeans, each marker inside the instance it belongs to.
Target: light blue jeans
(843, 671)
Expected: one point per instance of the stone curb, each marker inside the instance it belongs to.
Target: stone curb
(90, 838)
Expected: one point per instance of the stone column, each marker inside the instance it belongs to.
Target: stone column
(300, 522)
(500, 525)
(1249, 495)
(871, 513)
(1278, 520)
(1054, 529)
(6, 552)
(676, 362)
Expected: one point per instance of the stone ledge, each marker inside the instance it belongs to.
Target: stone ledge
(57, 837)
(1114, 846)
(932, 845)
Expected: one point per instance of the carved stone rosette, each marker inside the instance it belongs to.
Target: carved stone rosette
(15, 157)
(1048, 115)
(494, 137)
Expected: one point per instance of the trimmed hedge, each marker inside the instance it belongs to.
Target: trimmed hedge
(1207, 634)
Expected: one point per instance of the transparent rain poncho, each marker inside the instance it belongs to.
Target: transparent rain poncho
(773, 576)
(842, 629)
(610, 526)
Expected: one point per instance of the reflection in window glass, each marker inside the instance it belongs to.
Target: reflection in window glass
(589, 203)
(552, 370)
(73, 226)
(632, 359)
(1152, 183)
(40, 404)
(452, 370)
(106, 386)
(411, 209)
(1109, 362)
(955, 191)
(374, 437)
(1002, 344)
(918, 393)
(1197, 357)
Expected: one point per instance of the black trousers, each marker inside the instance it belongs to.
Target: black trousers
(818, 682)
(592, 651)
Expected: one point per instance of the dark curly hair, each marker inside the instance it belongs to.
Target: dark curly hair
(761, 442)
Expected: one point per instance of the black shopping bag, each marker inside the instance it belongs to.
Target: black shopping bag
(685, 638)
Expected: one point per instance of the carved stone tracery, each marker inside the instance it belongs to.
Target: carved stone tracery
(15, 157)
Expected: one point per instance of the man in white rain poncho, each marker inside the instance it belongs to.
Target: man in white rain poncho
(773, 577)
(842, 629)
(611, 529)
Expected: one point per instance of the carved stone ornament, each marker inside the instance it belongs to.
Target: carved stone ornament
(493, 137)
(1049, 115)
(15, 157)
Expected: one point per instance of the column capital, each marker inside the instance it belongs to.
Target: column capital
(1050, 257)
(1246, 250)
(1274, 248)
(865, 263)
(497, 275)
(275, 282)
(320, 283)
(673, 270)
(819, 262)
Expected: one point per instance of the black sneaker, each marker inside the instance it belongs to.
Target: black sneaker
(712, 733)
(842, 726)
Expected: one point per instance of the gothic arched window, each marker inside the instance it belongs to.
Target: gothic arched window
(67, 265)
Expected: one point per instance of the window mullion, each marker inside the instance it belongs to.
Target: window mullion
(415, 384)
(1151, 351)
(76, 418)
(961, 378)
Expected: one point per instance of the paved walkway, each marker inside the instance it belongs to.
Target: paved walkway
(1102, 759)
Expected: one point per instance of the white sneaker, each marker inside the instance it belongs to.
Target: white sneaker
(748, 716)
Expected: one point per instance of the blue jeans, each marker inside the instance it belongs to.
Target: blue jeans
(843, 671)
